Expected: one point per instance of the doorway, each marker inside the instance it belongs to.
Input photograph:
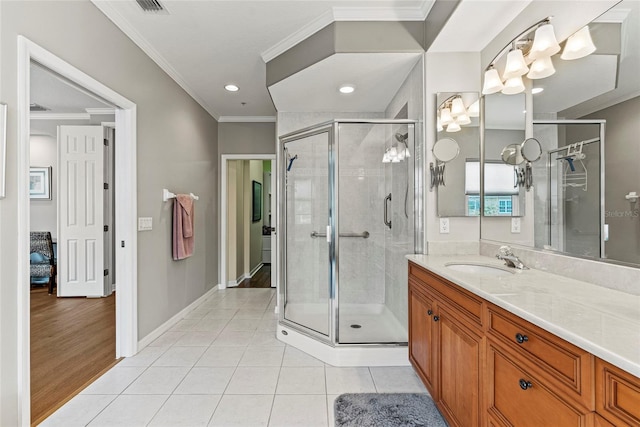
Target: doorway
(247, 210)
(125, 212)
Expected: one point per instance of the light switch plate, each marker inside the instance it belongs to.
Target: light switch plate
(444, 225)
(515, 225)
(145, 224)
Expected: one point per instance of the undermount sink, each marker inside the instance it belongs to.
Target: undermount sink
(476, 268)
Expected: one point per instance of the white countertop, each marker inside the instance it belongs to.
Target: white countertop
(602, 321)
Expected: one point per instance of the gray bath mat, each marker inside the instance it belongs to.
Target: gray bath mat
(387, 410)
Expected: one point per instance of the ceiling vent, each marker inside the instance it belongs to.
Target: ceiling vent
(151, 5)
(38, 107)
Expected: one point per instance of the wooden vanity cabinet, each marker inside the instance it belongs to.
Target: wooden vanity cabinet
(485, 366)
(617, 395)
(446, 345)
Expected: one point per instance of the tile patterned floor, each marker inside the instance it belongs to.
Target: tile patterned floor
(223, 366)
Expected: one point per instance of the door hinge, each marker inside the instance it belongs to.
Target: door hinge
(106, 142)
(106, 272)
(106, 228)
(106, 186)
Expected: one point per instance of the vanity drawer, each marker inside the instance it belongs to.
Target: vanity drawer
(617, 395)
(562, 364)
(517, 396)
(466, 302)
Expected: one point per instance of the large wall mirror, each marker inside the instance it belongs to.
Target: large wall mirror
(455, 173)
(586, 118)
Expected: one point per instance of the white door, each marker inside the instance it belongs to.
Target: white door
(80, 211)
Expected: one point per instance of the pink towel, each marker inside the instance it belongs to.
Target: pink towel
(182, 227)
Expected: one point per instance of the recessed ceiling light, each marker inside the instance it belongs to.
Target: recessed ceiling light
(347, 88)
(536, 90)
(231, 88)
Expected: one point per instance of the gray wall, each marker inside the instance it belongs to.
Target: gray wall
(622, 175)
(177, 149)
(44, 213)
(255, 174)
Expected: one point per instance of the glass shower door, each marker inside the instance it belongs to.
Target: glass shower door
(307, 266)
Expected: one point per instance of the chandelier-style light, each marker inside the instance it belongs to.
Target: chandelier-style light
(536, 52)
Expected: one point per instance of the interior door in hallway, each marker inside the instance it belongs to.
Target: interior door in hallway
(80, 211)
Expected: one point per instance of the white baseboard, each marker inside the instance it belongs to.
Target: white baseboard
(153, 335)
(255, 270)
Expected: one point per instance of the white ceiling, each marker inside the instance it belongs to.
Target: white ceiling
(204, 45)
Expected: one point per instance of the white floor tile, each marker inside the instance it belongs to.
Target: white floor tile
(349, 380)
(221, 356)
(205, 381)
(167, 339)
(158, 380)
(145, 357)
(253, 380)
(242, 411)
(198, 313)
(186, 411)
(262, 356)
(299, 411)
(129, 411)
(295, 357)
(247, 313)
(396, 379)
(233, 339)
(180, 356)
(299, 380)
(221, 313)
(79, 411)
(265, 338)
(210, 325)
(115, 380)
(184, 325)
(236, 325)
(197, 339)
(268, 325)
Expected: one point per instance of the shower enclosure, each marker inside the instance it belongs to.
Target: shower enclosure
(348, 217)
(574, 187)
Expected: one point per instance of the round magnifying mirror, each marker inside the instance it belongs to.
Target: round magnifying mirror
(446, 149)
(511, 154)
(531, 149)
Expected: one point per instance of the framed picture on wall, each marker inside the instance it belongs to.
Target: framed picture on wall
(40, 183)
(257, 201)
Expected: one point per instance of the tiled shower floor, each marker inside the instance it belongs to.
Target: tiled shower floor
(223, 366)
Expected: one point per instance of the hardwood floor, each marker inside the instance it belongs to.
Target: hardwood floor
(262, 279)
(72, 341)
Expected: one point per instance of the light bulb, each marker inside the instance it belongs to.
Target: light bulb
(513, 86)
(541, 68)
(463, 119)
(544, 42)
(457, 107)
(515, 65)
(445, 117)
(453, 127)
(474, 109)
(578, 45)
(492, 82)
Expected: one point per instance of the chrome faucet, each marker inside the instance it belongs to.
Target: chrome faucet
(510, 260)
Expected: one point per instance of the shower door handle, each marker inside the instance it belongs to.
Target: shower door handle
(387, 221)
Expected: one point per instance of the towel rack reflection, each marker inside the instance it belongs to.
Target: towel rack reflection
(364, 234)
(166, 195)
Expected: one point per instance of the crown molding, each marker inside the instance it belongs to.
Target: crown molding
(302, 34)
(59, 116)
(247, 119)
(115, 16)
(105, 111)
(338, 13)
(341, 13)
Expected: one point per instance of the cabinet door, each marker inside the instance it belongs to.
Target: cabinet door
(421, 342)
(460, 369)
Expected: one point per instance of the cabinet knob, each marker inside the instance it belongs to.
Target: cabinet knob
(429, 312)
(436, 318)
(524, 384)
(521, 338)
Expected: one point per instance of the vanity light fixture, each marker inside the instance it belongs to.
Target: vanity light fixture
(453, 127)
(578, 45)
(439, 124)
(535, 49)
(474, 109)
(347, 89)
(445, 117)
(231, 88)
(463, 119)
(457, 107)
(453, 113)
